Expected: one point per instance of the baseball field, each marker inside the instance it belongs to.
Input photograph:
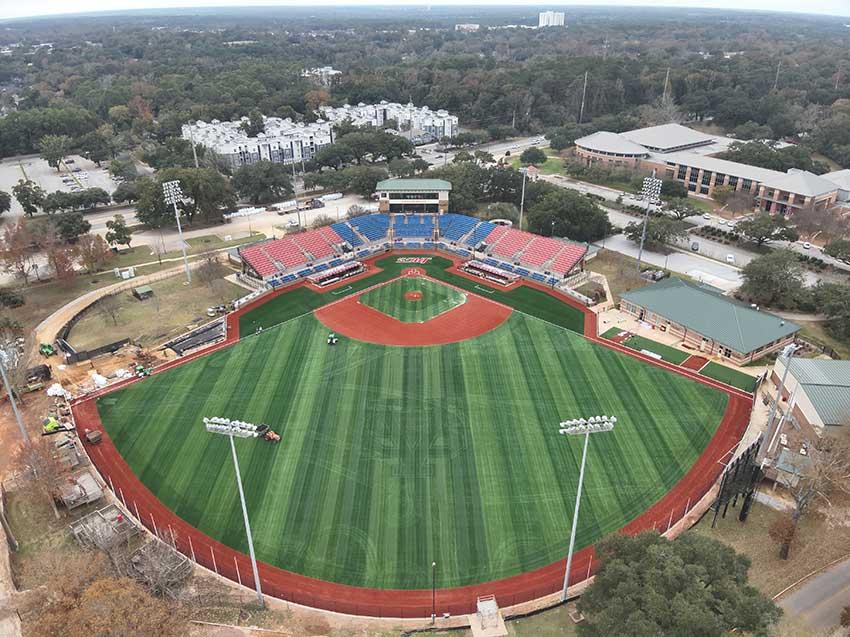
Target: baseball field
(393, 457)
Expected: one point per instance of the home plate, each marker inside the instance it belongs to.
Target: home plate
(488, 621)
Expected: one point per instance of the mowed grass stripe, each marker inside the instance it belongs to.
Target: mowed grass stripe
(396, 457)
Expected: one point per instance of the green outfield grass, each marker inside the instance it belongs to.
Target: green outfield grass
(436, 299)
(525, 299)
(393, 457)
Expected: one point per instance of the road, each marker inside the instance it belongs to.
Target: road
(819, 601)
(429, 152)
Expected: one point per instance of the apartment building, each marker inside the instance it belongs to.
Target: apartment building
(418, 123)
(550, 19)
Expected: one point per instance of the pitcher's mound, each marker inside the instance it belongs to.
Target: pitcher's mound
(413, 295)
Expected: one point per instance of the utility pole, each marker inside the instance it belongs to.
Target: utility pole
(192, 141)
(12, 401)
(524, 172)
(583, 96)
(666, 83)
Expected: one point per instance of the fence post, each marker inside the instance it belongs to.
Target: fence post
(121, 493)
(155, 530)
(173, 541)
(215, 567)
(670, 521)
(110, 483)
(687, 506)
(192, 549)
(238, 575)
(138, 517)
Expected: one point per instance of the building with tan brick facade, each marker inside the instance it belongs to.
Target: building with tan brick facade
(708, 322)
(817, 391)
(679, 153)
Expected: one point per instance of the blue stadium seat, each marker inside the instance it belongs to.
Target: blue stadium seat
(373, 227)
(480, 233)
(345, 231)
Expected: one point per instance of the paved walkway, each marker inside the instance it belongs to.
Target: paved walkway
(818, 602)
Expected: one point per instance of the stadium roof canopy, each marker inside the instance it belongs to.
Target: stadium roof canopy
(827, 384)
(727, 322)
(611, 143)
(404, 185)
(667, 137)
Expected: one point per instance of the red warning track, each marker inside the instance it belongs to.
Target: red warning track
(410, 603)
(476, 316)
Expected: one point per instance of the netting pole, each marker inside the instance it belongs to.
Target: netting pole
(110, 483)
(687, 506)
(138, 517)
(192, 550)
(121, 493)
(155, 530)
(173, 541)
(670, 521)
(589, 565)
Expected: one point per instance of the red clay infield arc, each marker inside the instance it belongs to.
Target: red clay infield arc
(349, 317)
(406, 603)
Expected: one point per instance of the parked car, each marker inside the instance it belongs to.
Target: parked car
(695, 246)
(705, 215)
(730, 258)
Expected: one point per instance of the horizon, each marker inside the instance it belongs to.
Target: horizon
(40, 9)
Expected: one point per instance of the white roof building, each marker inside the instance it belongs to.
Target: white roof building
(415, 122)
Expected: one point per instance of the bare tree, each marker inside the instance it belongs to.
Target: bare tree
(828, 473)
(46, 471)
(322, 220)
(209, 271)
(356, 211)
(160, 568)
(109, 307)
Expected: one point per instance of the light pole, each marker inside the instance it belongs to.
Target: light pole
(24, 434)
(581, 427)
(172, 194)
(524, 172)
(433, 592)
(651, 190)
(772, 431)
(231, 429)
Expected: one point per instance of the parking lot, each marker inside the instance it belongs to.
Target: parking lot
(76, 174)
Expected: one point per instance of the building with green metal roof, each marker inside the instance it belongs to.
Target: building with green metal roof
(708, 322)
(413, 195)
(818, 391)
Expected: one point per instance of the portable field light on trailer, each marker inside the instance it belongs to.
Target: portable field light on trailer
(172, 194)
(581, 427)
(239, 429)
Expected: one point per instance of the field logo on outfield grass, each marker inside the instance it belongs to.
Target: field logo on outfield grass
(421, 260)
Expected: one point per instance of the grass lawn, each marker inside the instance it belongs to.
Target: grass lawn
(524, 299)
(173, 307)
(669, 354)
(817, 333)
(620, 270)
(393, 456)
(703, 205)
(393, 299)
(729, 376)
(143, 253)
(554, 164)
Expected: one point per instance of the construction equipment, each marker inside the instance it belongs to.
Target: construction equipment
(46, 349)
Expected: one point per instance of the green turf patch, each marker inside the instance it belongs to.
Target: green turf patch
(729, 376)
(396, 299)
(669, 354)
(392, 457)
(302, 300)
(611, 333)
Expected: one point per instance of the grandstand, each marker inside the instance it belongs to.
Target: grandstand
(543, 259)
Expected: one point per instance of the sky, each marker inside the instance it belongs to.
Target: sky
(14, 9)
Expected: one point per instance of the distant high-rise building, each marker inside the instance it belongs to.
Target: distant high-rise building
(550, 19)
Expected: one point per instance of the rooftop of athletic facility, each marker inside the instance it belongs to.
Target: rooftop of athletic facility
(400, 184)
(739, 327)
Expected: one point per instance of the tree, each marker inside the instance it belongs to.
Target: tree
(5, 202)
(262, 182)
(98, 145)
(93, 252)
(30, 195)
(462, 156)
(764, 227)
(502, 210)
(15, 249)
(768, 155)
(784, 532)
(123, 169)
(775, 278)
(838, 249)
(109, 307)
(117, 232)
(673, 190)
(682, 209)
(484, 158)
(574, 215)
(532, 155)
(695, 585)
(61, 259)
(833, 299)
(827, 473)
(399, 167)
(126, 192)
(54, 148)
(659, 231)
(70, 225)
(255, 124)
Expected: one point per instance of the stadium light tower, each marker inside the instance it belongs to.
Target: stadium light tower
(581, 427)
(651, 190)
(172, 194)
(524, 172)
(239, 429)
